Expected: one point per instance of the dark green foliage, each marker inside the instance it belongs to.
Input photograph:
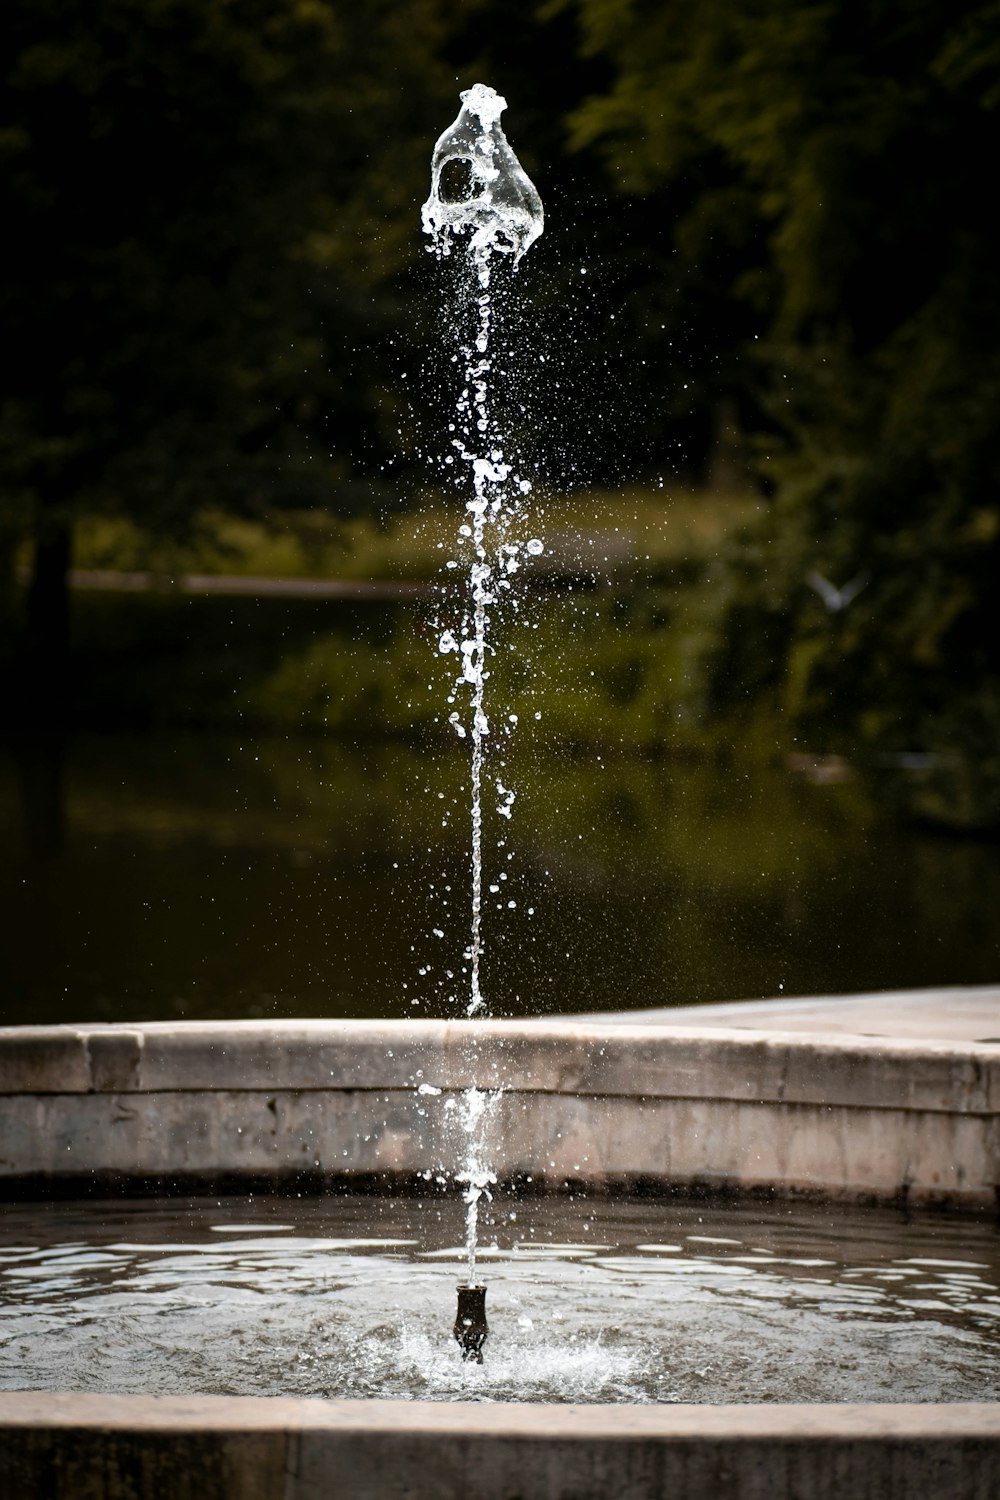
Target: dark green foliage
(201, 206)
(785, 212)
(847, 155)
(203, 258)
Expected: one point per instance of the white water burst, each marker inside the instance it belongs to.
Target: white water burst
(493, 200)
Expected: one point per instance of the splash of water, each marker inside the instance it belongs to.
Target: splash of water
(481, 197)
(479, 187)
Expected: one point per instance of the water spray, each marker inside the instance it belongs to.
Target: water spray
(481, 199)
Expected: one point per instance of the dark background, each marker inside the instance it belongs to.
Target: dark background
(767, 296)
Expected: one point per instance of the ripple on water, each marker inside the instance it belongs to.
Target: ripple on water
(355, 1297)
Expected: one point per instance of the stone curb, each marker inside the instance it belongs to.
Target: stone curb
(537, 1057)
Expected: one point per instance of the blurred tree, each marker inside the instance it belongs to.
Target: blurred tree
(639, 339)
(844, 152)
(208, 225)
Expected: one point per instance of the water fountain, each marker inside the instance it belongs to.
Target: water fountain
(483, 204)
(612, 1113)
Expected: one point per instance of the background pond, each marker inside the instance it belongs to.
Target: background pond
(170, 875)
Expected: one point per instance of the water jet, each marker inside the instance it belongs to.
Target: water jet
(490, 208)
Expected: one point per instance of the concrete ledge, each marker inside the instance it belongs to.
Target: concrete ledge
(90, 1447)
(955, 1013)
(651, 1061)
(196, 1102)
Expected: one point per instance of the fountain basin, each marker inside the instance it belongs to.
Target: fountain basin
(297, 1107)
(591, 1299)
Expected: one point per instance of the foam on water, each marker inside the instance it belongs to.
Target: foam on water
(528, 1365)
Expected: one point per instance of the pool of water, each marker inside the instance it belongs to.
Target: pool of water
(638, 1301)
(198, 876)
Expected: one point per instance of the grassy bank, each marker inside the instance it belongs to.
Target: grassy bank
(611, 534)
(605, 651)
(604, 642)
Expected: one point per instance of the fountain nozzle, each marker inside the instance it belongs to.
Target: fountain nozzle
(471, 1329)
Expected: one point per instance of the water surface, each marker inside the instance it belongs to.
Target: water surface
(642, 1302)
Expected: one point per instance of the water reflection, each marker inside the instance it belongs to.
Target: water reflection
(198, 876)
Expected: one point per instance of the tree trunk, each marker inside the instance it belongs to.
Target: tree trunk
(41, 776)
(45, 650)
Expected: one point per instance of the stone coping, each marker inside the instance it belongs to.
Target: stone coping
(107, 1412)
(101, 1447)
(581, 1059)
(956, 1013)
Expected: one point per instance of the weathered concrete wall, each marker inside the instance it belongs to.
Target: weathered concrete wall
(725, 1109)
(214, 1448)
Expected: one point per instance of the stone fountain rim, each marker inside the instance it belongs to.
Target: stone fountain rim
(191, 1106)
